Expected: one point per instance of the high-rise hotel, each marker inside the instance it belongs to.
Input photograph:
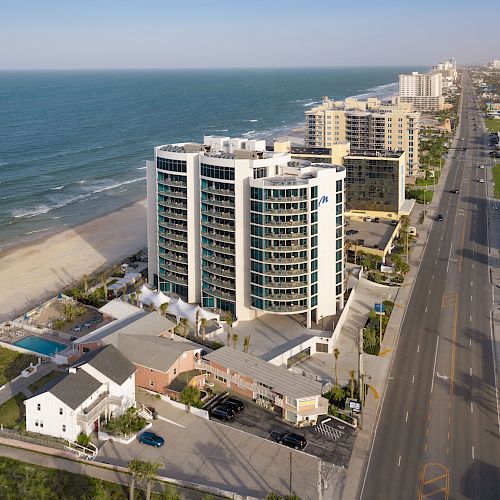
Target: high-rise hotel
(366, 125)
(237, 228)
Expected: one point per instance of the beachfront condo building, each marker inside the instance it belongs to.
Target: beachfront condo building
(366, 125)
(237, 228)
(423, 90)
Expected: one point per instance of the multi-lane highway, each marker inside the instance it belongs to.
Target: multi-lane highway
(438, 432)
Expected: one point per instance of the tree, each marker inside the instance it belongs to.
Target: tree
(235, 340)
(197, 323)
(203, 328)
(83, 439)
(191, 396)
(229, 323)
(352, 378)
(132, 298)
(185, 327)
(336, 353)
(164, 309)
(143, 471)
(246, 343)
(104, 281)
(138, 293)
(171, 493)
(85, 283)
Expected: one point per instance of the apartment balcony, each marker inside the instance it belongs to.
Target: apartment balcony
(287, 211)
(173, 257)
(286, 309)
(174, 268)
(283, 248)
(219, 260)
(219, 271)
(93, 411)
(218, 248)
(284, 272)
(175, 237)
(220, 215)
(211, 200)
(286, 260)
(283, 199)
(218, 236)
(173, 215)
(285, 284)
(285, 236)
(172, 204)
(173, 225)
(216, 225)
(173, 194)
(229, 285)
(169, 182)
(285, 223)
(218, 293)
(173, 278)
(286, 296)
(223, 192)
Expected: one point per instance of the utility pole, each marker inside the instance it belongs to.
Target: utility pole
(290, 490)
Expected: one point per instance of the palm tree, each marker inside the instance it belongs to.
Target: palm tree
(164, 309)
(235, 340)
(229, 323)
(352, 378)
(138, 293)
(185, 325)
(104, 282)
(132, 298)
(336, 353)
(143, 471)
(197, 323)
(85, 283)
(203, 327)
(246, 343)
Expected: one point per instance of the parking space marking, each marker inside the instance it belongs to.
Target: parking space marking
(329, 431)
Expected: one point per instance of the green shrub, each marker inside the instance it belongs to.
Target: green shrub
(83, 439)
(128, 423)
(191, 396)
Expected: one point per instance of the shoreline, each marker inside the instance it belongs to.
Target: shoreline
(39, 269)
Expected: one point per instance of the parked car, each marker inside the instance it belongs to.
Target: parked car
(481, 181)
(454, 191)
(394, 222)
(480, 166)
(368, 219)
(439, 217)
(351, 231)
(235, 404)
(152, 439)
(222, 412)
(412, 230)
(376, 219)
(292, 440)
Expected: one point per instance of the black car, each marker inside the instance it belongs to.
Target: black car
(235, 404)
(439, 217)
(292, 440)
(222, 412)
(454, 191)
(376, 219)
(351, 232)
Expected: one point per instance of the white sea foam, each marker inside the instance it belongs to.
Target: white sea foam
(39, 230)
(68, 200)
(380, 91)
(142, 168)
(312, 103)
(57, 188)
(253, 121)
(249, 133)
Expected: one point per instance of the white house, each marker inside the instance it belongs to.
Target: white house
(100, 384)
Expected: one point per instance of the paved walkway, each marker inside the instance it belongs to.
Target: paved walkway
(22, 383)
(379, 369)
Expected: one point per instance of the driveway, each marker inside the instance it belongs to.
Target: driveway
(206, 452)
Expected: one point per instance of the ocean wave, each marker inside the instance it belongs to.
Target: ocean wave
(43, 208)
(253, 121)
(3, 164)
(57, 188)
(142, 168)
(311, 103)
(249, 133)
(380, 91)
(38, 231)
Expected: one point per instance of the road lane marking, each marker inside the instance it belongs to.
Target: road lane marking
(413, 379)
(434, 369)
(470, 319)
(473, 453)
(470, 372)
(418, 348)
(399, 461)
(470, 342)
(425, 309)
(432, 276)
(430, 291)
(471, 298)
(471, 407)
(406, 419)
(471, 283)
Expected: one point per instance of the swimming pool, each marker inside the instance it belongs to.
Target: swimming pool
(40, 345)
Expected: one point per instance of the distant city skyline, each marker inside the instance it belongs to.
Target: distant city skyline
(100, 34)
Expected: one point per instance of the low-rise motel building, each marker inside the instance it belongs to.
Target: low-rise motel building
(294, 398)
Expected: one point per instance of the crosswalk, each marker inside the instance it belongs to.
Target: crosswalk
(329, 431)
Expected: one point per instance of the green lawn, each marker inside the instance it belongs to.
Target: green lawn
(12, 412)
(420, 195)
(496, 179)
(35, 386)
(12, 363)
(492, 124)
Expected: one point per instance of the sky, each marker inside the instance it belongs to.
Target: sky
(108, 34)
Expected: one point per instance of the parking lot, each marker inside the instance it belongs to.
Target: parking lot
(331, 441)
(207, 452)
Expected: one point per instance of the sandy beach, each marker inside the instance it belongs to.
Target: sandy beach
(32, 272)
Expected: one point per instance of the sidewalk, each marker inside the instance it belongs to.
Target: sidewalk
(22, 383)
(379, 368)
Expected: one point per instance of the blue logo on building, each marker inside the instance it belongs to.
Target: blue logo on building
(323, 199)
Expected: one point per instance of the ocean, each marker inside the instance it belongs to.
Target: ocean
(73, 144)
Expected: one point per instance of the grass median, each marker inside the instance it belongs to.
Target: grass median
(492, 124)
(496, 180)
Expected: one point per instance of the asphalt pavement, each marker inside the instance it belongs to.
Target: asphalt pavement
(438, 433)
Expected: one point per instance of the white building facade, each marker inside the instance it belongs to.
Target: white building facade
(423, 90)
(203, 241)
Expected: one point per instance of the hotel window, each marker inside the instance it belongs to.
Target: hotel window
(36, 423)
(41, 423)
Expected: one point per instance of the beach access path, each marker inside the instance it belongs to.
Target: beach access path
(32, 272)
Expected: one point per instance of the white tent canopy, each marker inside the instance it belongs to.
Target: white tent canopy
(176, 307)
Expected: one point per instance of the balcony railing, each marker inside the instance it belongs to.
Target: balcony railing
(286, 260)
(173, 278)
(173, 225)
(173, 246)
(216, 225)
(173, 236)
(219, 271)
(173, 257)
(285, 223)
(92, 412)
(284, 272)
(172, 204)
(218, 236)
(219, 260)
(218, 248)
(219, 293)
(285, 284)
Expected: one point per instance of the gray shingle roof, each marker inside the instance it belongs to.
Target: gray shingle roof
(157, 353)
(74, 388)
(278, 378)
(109, 361)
